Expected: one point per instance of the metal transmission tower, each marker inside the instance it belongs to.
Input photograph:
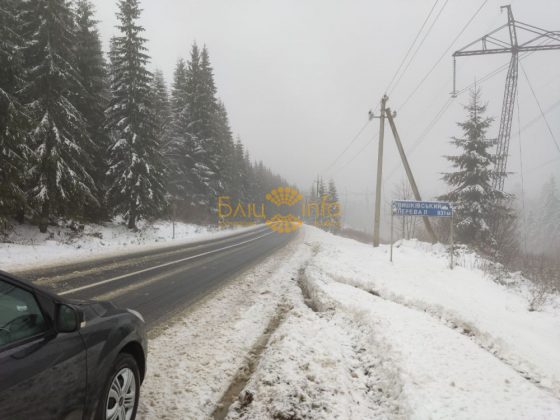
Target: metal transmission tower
(538, 40)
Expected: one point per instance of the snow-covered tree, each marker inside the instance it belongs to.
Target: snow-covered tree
(160, 105)
(135, 167)
(60, 179)
(202, 106)
(477, 204)
(92, 70)
(188, 175)
(334, 214)
(224, 159)
(13, 148)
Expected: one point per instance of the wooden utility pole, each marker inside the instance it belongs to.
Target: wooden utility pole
(409, 172)
(377, 218)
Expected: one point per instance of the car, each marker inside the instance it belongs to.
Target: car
(67, 359)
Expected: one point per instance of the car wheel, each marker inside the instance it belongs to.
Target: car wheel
(122, 392)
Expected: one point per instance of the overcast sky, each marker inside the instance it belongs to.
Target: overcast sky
(299, 76)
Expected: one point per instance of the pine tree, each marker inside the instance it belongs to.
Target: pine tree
(135, 170)
(477, 204)
(60, 182)
(209, 117)
(13, 148)
(189, 175)
(92, 70)
(334, 213)
(202, 108)
(198, 169)
(224, 149)
(160, 105)
(176, 150)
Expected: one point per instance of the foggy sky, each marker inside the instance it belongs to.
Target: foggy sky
(299, 76)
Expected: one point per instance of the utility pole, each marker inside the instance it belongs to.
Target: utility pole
(411, 179)
(377, 218)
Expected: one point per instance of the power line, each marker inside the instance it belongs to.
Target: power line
(542, 165)
(420, 46)
(358, 134)
(540, 109)
(537, 118)
(443, 55)
(424, 134)
(357, 154)
(392, 79)
(411, 46)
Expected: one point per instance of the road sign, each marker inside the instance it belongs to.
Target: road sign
(422, 208)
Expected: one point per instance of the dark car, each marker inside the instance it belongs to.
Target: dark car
(66, 359)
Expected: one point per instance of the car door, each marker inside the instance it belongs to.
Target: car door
(42, 372)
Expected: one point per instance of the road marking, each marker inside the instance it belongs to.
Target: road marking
(166, 274)
(166, 250)
(99, 283)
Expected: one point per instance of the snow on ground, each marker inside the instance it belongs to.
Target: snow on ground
(328, 329)
(193, 362)
(496, 316)
(25, 247)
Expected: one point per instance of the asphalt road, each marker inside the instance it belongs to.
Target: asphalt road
(161, 282)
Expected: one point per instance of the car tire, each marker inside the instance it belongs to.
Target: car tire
(123, 382)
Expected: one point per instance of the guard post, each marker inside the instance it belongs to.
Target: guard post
(423, 209)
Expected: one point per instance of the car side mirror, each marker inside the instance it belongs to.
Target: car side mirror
(68, 319)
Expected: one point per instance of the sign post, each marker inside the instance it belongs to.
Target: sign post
(391, 254)
(422, 209)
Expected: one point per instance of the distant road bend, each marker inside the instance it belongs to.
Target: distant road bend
(162, 281)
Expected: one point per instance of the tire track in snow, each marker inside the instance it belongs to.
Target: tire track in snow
(483, 340)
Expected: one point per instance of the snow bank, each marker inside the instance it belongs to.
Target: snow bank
(465, 346)
(25, 247)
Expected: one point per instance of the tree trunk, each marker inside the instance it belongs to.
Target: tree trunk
(44, 219)
(20, 216)
(132, 217)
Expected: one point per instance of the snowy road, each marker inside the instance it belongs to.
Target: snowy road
(161, 281)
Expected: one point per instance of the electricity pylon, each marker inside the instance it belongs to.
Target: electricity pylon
(491, 44)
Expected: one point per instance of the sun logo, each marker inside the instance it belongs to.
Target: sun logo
(284, 224)
(284, 196)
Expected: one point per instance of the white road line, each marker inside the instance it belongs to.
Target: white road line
(99, 283)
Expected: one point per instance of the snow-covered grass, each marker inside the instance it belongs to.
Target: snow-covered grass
(25, 247)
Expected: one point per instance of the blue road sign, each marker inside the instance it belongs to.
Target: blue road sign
(422, 208)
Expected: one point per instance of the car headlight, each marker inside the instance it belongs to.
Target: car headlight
(137, 314)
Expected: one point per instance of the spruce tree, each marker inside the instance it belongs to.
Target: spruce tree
(160, 105)
(209, 109)
(478, 206)
(198, 169)
(60, 179)
(176, 153)
(13, 148)
(92, 70)
(224, 159)
(135, 170)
